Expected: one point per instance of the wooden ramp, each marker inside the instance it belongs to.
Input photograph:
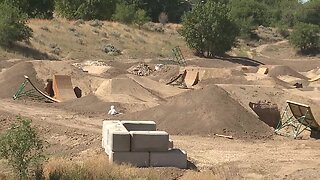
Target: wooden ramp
(192, 78)
(62, 88)
(299, 117)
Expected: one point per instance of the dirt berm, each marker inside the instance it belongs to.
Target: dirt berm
(11, 79)
(204, 111)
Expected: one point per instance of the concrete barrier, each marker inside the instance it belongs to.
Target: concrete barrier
(106, 125)
(140, 125)
(140, 159)
(118, 138)
(172, 158)
(149, 140)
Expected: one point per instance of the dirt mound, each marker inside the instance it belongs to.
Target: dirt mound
(124, 90)
(87, 105)
(205, 111)
(13, 77)
(276, 71)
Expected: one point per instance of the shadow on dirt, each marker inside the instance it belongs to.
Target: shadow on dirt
(241, 60)
(28, 52)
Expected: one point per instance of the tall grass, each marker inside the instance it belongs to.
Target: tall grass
(95, 169)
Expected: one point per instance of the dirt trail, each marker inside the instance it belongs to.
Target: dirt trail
(52, 116)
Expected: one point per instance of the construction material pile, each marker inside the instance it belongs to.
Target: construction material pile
(141, 69)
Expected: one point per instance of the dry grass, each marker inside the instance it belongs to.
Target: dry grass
(206, 175)
(134, 42)
(95, 168)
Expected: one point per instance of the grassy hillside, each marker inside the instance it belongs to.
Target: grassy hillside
(61, 39)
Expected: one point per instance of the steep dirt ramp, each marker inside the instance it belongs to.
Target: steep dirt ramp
(160, 89)
(62, 87)
(13, 77)
(205, 111)
(124, 90)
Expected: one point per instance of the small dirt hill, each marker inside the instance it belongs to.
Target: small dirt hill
(13, 77)
(280, 70)
(205, 111)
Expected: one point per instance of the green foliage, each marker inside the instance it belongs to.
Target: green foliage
(306, 37)
(84, 9)
(208, 29)
(310, 12)
(129, 13)
(124, 13)
(248, 14)
(140, 17)
(21, 146)
(12, 25)
(34, 8)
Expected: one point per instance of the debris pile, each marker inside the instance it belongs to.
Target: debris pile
(141, 69)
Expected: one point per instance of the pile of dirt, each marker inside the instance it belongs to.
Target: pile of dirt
(13, 77)
(280, 70)
(205, 111)
(88, 105)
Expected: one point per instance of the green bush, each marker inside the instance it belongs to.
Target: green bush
(310, 12)
(12, 25)
(84, 9)
(22, 147)
(124, 13)
(306, 37)
(129, 13)
(208, 29)
(34, 8)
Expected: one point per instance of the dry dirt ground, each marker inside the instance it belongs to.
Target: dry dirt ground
(219, 103)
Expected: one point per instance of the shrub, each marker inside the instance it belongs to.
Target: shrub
(208, 29)
(124, 13)
(87, 10)
(140, 17)
(306, 37)
(129, 13)
(21, 146)
(12, 25)
(310, 12)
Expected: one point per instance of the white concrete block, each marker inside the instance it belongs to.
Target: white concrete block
(172, 158)
(149, 140)
(106, 125)
(140, 125)
(140, 159)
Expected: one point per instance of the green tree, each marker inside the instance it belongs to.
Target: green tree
(12, 25)
(208, 29)
(140, 17)
(34, 8)
(21, 146)
(124, 13)
(248, 14)
(84, 9)
(306, 37)
(310, 12)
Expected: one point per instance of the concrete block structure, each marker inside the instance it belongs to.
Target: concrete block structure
(140, 125)
(140, 159)
(140, 144)
(172, 158)
(149, 141)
